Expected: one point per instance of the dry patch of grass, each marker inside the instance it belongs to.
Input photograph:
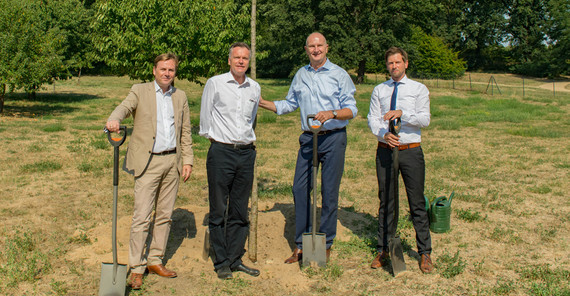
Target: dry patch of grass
(505, 157)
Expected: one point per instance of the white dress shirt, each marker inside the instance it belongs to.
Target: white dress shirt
(413, 100)
(228, 109)
(165, 130)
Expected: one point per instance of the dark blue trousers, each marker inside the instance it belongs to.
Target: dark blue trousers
(412, 167)
(330, 153)
(230, 176)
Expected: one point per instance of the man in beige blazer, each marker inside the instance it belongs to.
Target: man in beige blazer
(160, 149)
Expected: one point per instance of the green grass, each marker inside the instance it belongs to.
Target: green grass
(55, 127)
(450, 265)
(23, 259)
(41, 166)
(469, 215)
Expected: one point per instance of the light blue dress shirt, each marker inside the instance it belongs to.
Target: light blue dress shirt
(327, 88)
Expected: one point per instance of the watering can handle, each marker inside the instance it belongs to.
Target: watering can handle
(437, 200)
(451, 197)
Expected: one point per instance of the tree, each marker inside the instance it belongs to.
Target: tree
(475, 29)
(430, 57)
(357, 31)
(41, 41)
(558, 29)
(129, 34)
(32, 50)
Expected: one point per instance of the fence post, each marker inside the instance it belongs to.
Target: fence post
(470, 88)
(453, 82)
(553, 88)
(523, 86)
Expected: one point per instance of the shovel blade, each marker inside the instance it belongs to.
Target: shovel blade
(206, 250)
(397, 255)
(314, 249)
(112, 286)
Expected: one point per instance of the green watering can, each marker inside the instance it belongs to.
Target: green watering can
(439, 213)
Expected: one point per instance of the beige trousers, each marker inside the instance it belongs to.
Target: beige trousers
(157, 186)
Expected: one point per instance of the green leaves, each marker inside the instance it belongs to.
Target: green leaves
(130, 34)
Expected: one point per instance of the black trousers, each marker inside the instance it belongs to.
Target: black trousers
(230, 177)
(412, 168)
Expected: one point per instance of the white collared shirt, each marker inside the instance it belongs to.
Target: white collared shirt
(413, 100)
(165, 130)
(228, 109)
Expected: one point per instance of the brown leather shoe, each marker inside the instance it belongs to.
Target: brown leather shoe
(162, 271)
(296, 257)
(136, 281)
(426, 266)
(328, 253)
(380, 259)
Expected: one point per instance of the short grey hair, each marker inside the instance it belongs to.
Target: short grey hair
(239, 44)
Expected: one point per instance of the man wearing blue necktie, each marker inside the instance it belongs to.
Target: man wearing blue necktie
(408, 100)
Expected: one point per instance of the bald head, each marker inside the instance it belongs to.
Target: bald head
(316, 47)
(315, 35)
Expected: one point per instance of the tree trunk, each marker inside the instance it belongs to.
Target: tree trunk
(361, 72)
(253, 65)
(2, 94)
(79, 77)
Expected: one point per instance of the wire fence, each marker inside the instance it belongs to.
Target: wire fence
(493, 84)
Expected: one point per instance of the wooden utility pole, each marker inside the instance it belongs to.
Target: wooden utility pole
(252, 240)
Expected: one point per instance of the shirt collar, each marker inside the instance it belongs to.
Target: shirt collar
(402, 81)
(327, 66)
(230, 78)
(158, 89)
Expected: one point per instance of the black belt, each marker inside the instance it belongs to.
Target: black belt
(321, 132)
(165, 152)
(234, 146)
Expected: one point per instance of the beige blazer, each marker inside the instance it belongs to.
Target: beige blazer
(141, 104)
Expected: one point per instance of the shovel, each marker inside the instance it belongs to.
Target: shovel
(394, 241)
(114, 275)
(314, 244)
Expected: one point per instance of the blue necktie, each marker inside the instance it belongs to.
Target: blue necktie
(394, 96)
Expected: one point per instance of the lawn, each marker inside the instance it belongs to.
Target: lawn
(505, 156)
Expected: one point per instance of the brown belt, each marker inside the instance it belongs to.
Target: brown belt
(165, 152)
(401, 147)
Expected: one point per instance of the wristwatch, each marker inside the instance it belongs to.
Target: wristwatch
(334, 114)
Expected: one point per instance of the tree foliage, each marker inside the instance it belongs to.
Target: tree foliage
(130, 34)
(40, 42)
(431, 58)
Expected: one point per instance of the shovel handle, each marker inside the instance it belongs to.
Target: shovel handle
(394, 126)
(315, 128)
(116, 142)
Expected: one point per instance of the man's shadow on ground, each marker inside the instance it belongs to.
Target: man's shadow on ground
(183, 226)
(364, 226)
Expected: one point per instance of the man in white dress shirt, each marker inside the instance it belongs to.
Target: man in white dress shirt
(408, 100)
(228, 110)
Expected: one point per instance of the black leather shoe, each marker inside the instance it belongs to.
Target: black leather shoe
(224, 273)
(248, 270)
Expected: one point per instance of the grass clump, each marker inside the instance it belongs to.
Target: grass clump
(51, 128)
(41, 166)
(450, 266)
(22, 259)
(469, 215)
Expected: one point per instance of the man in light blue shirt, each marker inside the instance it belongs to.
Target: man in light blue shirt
(324, 89)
